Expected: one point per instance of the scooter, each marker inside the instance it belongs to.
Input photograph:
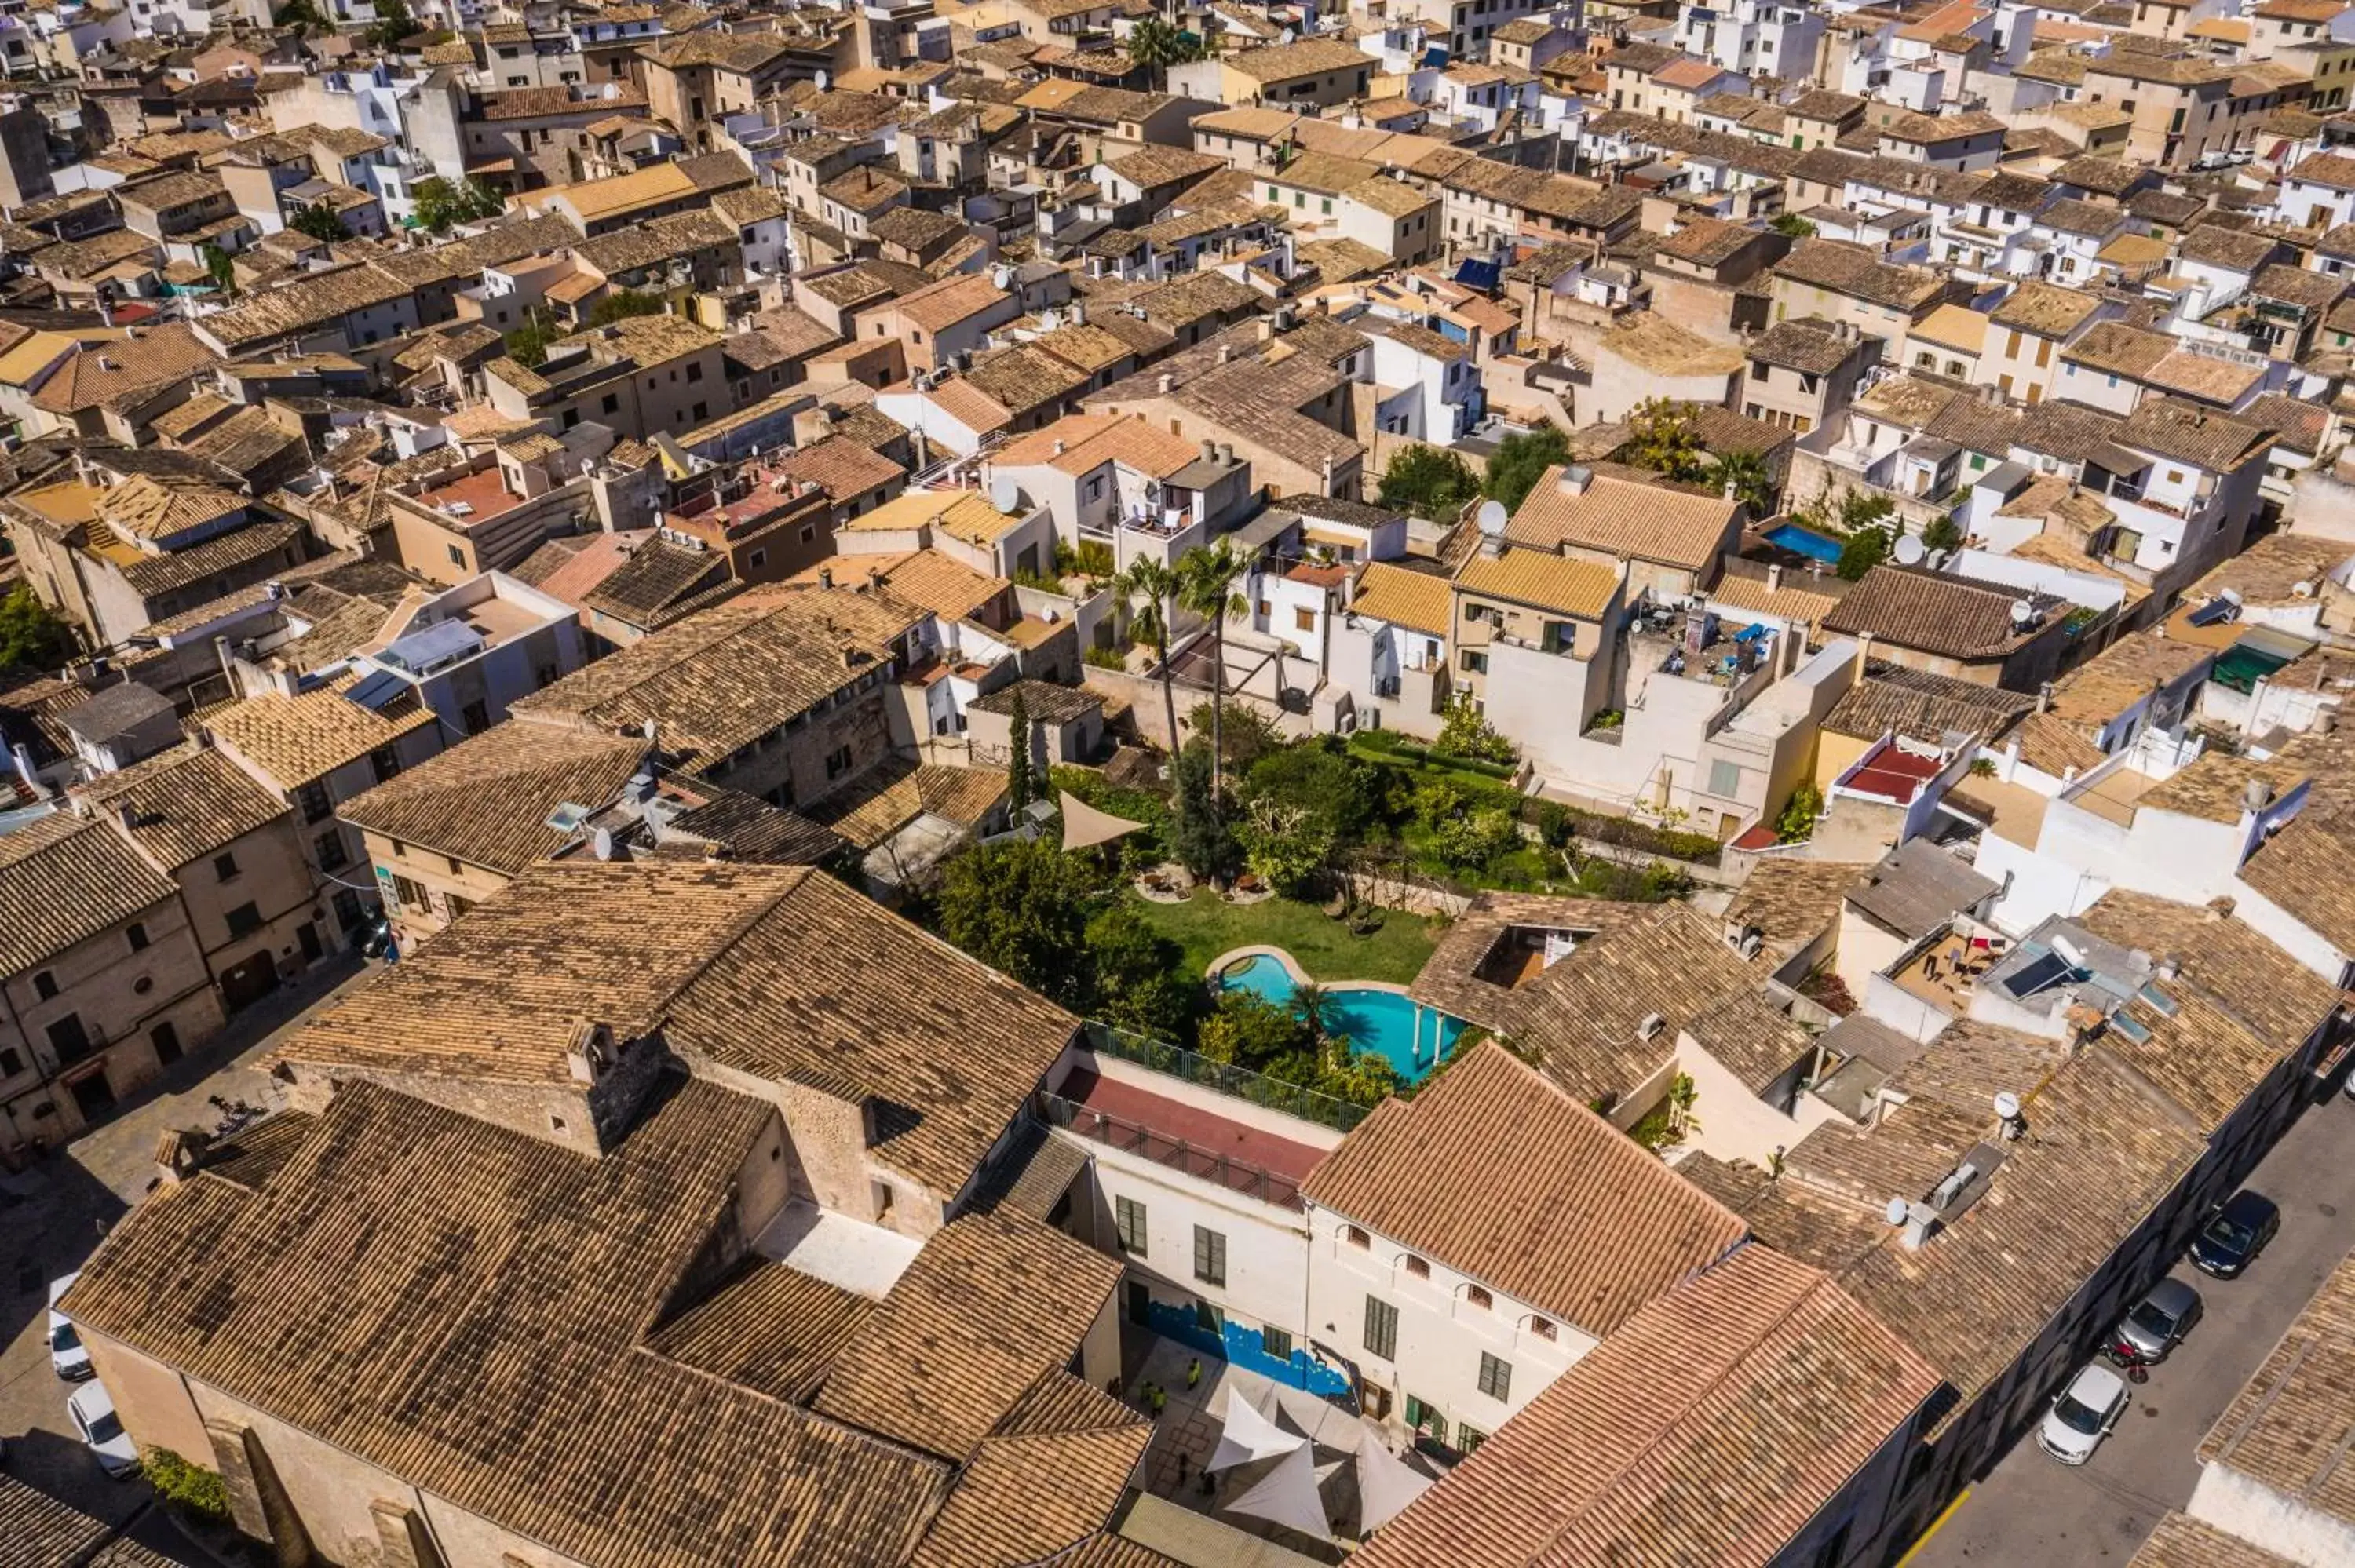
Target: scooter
(2127, 1360)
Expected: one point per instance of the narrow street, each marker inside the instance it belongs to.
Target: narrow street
(2031, 1509)
(53, 1216)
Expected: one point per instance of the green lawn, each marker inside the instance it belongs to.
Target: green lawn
(1207, 926)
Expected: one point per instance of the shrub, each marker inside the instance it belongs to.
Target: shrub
(192, 1488)
(1554, 823)
(1105, 658)
(1468, 734)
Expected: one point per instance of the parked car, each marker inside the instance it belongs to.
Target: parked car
(2157, 1322)
(2235, 1234)
(2082, 1415)
(69, 1357)
(92, 1411)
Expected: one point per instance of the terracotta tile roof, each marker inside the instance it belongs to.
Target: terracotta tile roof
(486, 799)
(392, 1201)
(728, 675)
(950, 300)
(1798, 598)
(296, 739)
(1855, 270)
(37, 1531)
(2122, 674)
(1599, 1226)
(143, 509)
(2045, 309)
(1042, 701)
(2288, 1428)
(2171, 428)
(2183, 1542)
(1790, 901)
(845, 469)
(1311, 56)
(1419, 601)
(107, 373)
(1953, 617)
(64, 879)
(1087, 441)
(925, 579)
(991, 1305)
(1542, 580)
(1643, 522)
(1761, 1374)
(887, 799)
(186, 803)
(1808, 343)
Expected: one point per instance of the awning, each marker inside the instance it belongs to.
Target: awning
(1084, 827)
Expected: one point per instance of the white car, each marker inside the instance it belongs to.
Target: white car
(2082, 1415)
(69, 1357)
(92, 1409)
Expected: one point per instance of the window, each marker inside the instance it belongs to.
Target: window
(44, 985)
(1479, 1297)
(312, 800)
(1381, 1329)
(225, 867)
(1725, 778)
(138, 934)
(613, 403)
(1276, 1342)
(1417, 1266)
(474, 718)
(1128, 1216)
(1495, 1377)
(244, 920)
(1542, 1328)
(757, 559)
(1304, 618)
(457, 556)
(694, 371)
(1356, 1238)
(1209, 1257)
(1466, 1439)
(69, 1039)
(838, 762)
(11, 1063)
(328, 851)
(408, 894)
(385, 762)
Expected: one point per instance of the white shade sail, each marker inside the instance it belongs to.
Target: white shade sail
(1287, 1496)
(1250, 1435)
(1386, 1485)
(1084, 827)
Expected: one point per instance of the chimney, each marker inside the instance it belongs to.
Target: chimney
(826, 576)
(1227, 452)
(125, 814)
(1774, 578)
(1226, 353)
(1059, 440)
(875, 579)
(2044, 697)
(2255, 795)
(1209, 452)
(1575, 479)
(1167, 383)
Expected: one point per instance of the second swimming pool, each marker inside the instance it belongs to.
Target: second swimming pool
(1412, 1036)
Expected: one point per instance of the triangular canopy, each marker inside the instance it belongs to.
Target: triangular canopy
(1287, 1496)
(1386, 1485)
(1249, 1436)
(1084, 827)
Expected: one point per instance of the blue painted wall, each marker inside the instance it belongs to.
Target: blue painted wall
(1247, 1348)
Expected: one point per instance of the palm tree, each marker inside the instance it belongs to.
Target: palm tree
(1156, 45)
(1150, 580)
(1206, 582)
(1743, 476)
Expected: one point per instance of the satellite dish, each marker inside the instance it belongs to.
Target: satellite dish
(1005, 495)
(1909, 550)
(2022, 612)
(1492, 516)
(2007, 1106)
(1897, 1210)
(1287, 37)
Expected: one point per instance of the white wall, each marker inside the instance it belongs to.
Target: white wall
(2258, 1514)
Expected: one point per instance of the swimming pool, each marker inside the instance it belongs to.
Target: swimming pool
(1387, 1022)
(1806, 542)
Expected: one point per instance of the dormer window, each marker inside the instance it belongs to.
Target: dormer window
(1357, 1238)
(1479, 1297)
(1417, 1266)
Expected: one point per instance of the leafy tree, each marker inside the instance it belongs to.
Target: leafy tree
(1018, 775)
(1861, 509)
(1800, 812)
(1206, 585)
(442, 203)
(624, 302)
(319, 221)
(1135, 975)
(1245, 733)
(31, 635)
(1247, 1030)
(1198, 839)
(1429, 481)
(1284, 845)
(1520, 461)
(1156, 585)
(527, 345)
(1340, 794)
(1660, 436)
(223, 269)
(1866, 548)
(1944, 534)
(1364, 1079)
(303, 14)
(393, 23)
(1155, 46)
(1746, 476)
(1466, 732)
(1792, 225)
(1470, 840)
(192, 1488)
(1021, 908)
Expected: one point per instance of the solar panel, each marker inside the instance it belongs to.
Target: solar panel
(2047, 971)
(376, 690)
(2213, 611)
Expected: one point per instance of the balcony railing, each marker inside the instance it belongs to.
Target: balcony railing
(1236, 1176)
(1224, 1077)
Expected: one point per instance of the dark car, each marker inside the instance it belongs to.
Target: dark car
(2158, 1321)
(2234, 1235)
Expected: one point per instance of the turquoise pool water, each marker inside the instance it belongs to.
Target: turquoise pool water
(1414, 1037)
(1806, 542)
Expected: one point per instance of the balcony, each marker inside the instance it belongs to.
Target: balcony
(1178, 1137)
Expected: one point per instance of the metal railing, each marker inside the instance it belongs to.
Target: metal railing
(1224, 1077)
(1236, 1176)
